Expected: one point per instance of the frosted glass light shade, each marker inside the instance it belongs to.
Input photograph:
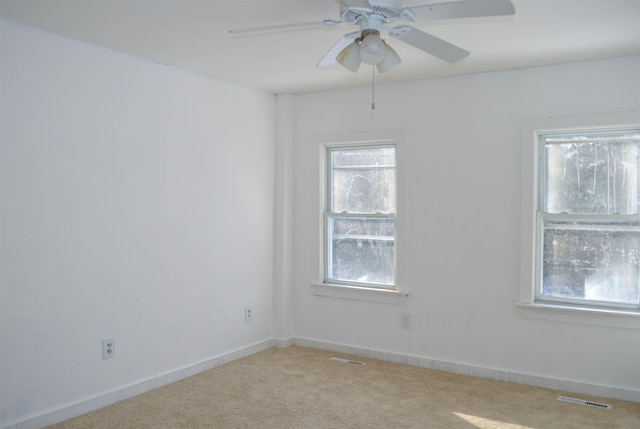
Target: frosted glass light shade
(372, 49)
(391, 59)
(349, 57)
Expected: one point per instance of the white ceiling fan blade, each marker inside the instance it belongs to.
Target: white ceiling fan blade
(463, 9)
(428, 43)
(253, 31)
(330, 58)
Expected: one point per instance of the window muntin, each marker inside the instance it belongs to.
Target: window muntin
(360, 216)
(588, 219)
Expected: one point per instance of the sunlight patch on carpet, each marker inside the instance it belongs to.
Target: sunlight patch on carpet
(484, 423)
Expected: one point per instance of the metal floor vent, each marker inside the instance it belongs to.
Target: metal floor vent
(356, 362)
(583, 402)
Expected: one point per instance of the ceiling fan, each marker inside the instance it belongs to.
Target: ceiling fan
(374, 16)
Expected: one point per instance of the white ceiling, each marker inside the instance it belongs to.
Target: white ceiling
(193, 35)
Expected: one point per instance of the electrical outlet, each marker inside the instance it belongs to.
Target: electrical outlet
(248, 314)
(405, 321)
(108, 348)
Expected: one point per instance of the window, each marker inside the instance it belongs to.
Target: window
(359, 220)
(361, 236)
(586, 219)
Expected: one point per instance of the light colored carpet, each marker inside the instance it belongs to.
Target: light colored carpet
(298, 387)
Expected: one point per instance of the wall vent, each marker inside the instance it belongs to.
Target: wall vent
(355, 362)
(583, 402)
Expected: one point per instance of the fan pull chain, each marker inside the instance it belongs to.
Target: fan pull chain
(373, 90)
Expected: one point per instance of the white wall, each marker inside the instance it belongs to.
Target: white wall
(464, 148)
(137, 203)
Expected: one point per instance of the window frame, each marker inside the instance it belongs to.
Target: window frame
(530, 305)
(397, 293)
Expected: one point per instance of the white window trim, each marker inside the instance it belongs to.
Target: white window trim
(318, 286)
(531, 129)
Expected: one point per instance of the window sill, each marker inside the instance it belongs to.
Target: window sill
(582, 315)
(359, 293)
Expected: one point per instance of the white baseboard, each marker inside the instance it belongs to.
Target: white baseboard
(86, 405)
(477, 371)
(284, 342)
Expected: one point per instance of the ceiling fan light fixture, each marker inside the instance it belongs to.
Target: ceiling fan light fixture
(391, 59)
(372, 48)
(349, 57)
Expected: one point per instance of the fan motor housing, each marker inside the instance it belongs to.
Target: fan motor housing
(387, 4)
(388, 10)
